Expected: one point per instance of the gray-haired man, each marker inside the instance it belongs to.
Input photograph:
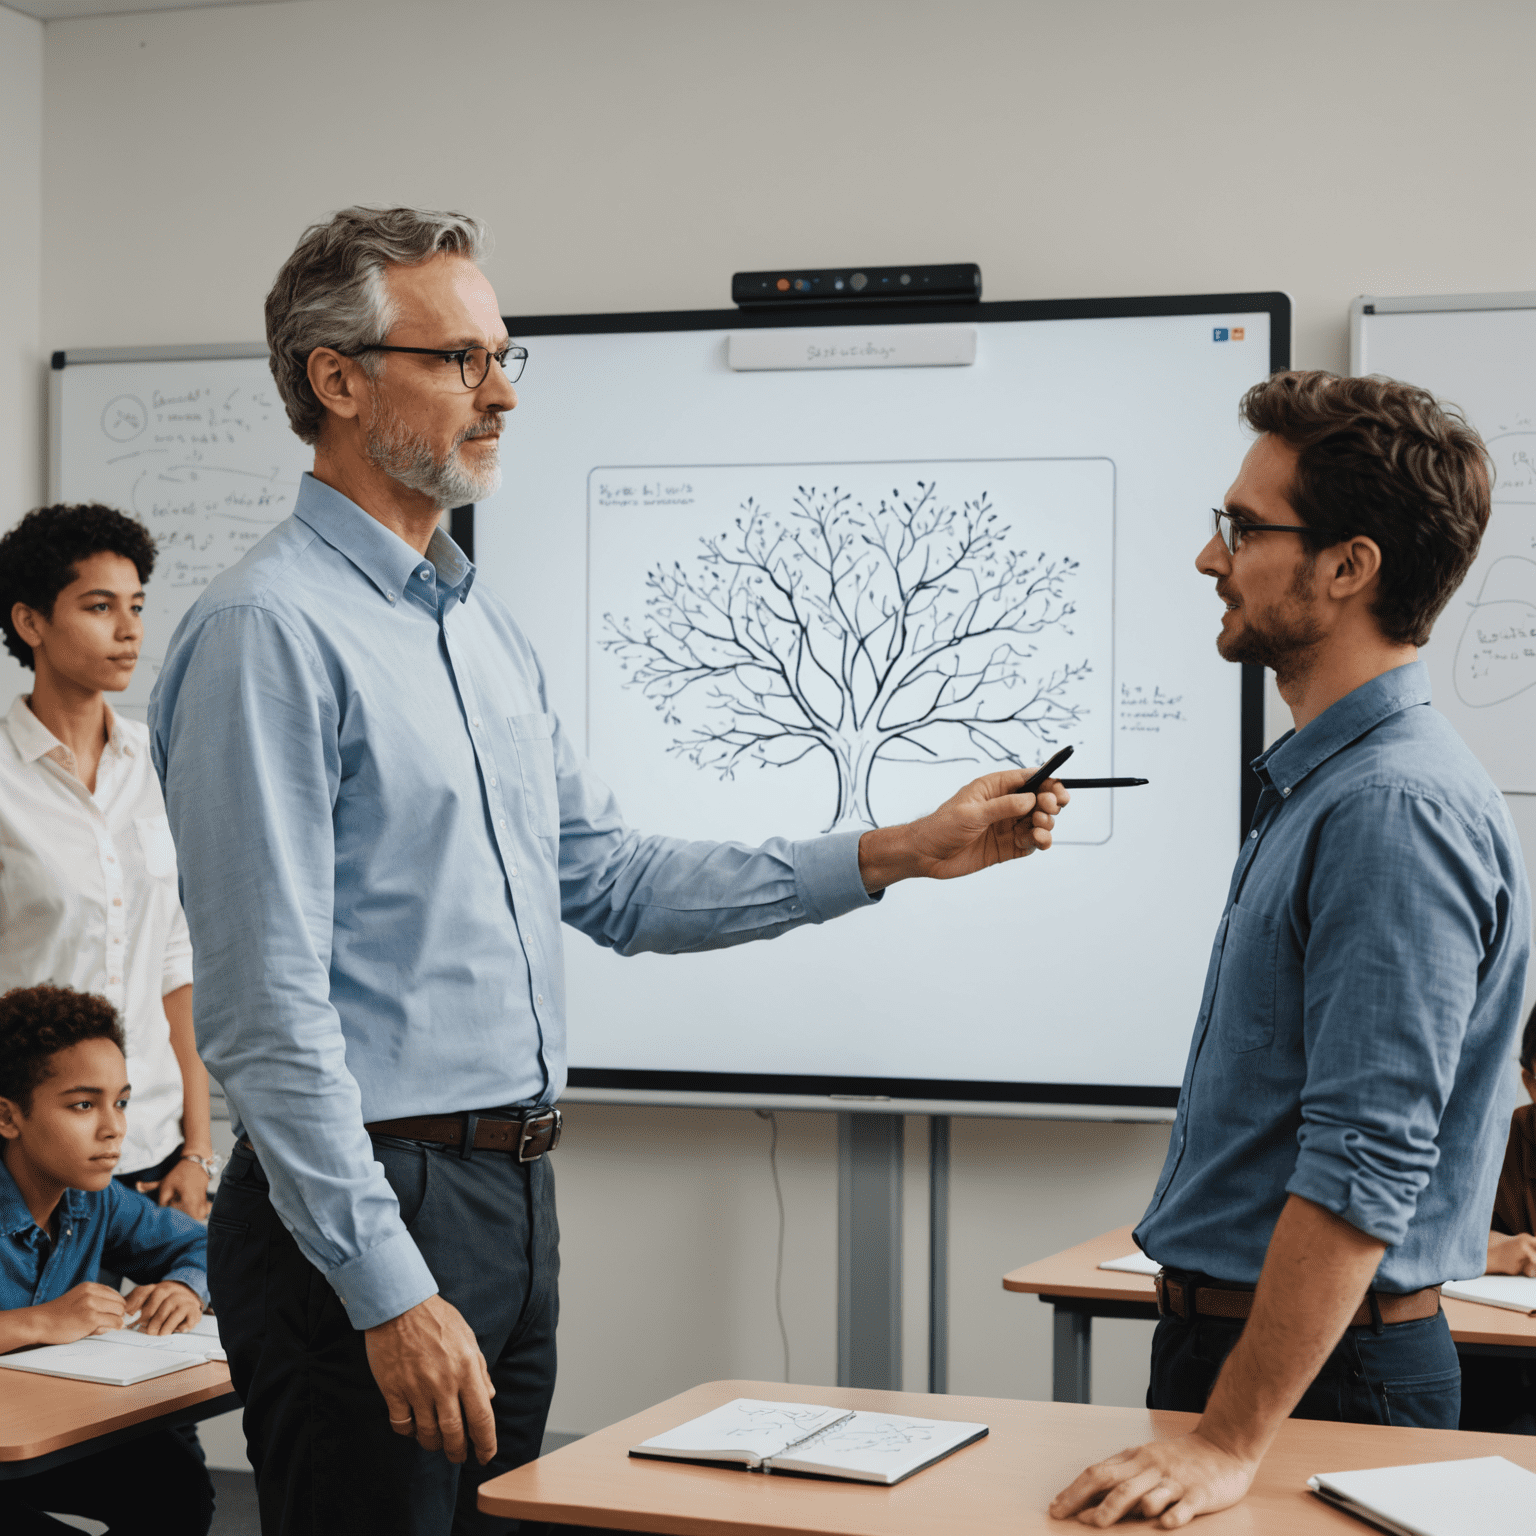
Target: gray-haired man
(380, 826)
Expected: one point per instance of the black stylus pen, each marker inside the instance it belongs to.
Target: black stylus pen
(1102, 783)
(1040, 775)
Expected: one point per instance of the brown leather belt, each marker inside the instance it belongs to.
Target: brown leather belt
(527, 1139)
(1213, 1299)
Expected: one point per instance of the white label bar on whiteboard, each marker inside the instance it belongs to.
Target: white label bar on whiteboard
(854, 346)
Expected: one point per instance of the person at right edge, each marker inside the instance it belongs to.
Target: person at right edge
(1342, 1115)
(1497, 1393)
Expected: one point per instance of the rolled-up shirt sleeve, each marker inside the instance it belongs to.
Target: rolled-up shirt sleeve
(1400, 910)
(176, 967)
(637, 894)
(245, 736)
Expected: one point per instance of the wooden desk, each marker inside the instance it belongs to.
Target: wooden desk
(45, 1420)
(1080, 1291)
(1000, 1485)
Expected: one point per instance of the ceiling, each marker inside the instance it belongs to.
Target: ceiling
(58, 10)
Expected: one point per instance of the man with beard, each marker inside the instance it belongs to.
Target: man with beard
(380, 825)
(1342, 1116)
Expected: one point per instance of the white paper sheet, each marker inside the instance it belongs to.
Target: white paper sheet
(746, 1429)
(108, 1364)
(878, 1447)
(1476, 1497)
(1515, 1293)
(1133, 1264)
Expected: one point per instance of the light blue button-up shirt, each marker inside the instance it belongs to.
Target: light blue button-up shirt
(1355, 1041)
(379, 825)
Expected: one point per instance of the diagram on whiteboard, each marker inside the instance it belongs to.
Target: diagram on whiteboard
(1484, 644)
(843, 627)
(200, 452)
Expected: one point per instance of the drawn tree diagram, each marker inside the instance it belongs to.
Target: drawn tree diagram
(903, 631)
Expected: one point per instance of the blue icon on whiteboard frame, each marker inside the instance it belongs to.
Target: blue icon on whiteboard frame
(1220, 333)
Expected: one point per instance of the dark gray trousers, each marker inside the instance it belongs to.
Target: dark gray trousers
(327, 1463)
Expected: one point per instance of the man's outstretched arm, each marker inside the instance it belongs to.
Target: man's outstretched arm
(1316, 1272)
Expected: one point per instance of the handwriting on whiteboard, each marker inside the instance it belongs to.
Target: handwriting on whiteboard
(200, 452)
(1149, 710)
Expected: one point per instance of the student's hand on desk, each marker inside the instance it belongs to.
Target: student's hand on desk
(436, 1387)
(1511, 1255)
(985, 823)
(166, 1307)
(185, 1187)
(81, 1311)
(1171, 1479)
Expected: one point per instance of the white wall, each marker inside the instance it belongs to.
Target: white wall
(21, 250)
(632, 155)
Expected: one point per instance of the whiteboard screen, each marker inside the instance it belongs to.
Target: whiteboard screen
(1482, 654)
(782, 598)
(200, 451)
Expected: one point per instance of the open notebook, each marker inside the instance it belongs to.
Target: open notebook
(810, 1439)
(1517, 1293)
(120, 1357)
(1480, 1496)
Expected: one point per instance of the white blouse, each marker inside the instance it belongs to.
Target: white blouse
(88, 899)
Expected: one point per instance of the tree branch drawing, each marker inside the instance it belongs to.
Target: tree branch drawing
(896, 633)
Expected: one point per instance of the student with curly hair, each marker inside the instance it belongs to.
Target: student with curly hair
(63, 1096)
(88, 889)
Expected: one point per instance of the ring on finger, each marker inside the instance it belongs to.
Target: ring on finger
(408, 1419)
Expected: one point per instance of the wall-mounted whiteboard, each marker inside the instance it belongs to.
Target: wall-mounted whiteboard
(829, 584)
(192, 442)
(1478, 351)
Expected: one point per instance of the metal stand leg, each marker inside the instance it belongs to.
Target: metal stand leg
(869, 1161)
(938, 1253)
(1072, 1357)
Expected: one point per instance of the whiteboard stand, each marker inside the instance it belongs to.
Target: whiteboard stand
(869, 1166)
(938, 1253)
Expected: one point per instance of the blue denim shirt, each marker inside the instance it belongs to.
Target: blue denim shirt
(1355, 1038)
(380, 825)
(111, 1226)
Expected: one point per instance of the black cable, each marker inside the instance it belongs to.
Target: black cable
(778, 1268)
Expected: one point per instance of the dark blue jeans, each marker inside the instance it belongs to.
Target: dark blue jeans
(327, 1463)
(1406, 1374)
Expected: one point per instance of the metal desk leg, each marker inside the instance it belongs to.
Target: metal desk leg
(1071, 1357)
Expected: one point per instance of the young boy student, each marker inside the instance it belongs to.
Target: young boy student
(1501, 1394)
(63, 1094)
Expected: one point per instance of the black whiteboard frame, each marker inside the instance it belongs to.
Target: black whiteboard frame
(890, 1092)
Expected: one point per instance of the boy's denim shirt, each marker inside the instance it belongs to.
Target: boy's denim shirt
(114, 1226)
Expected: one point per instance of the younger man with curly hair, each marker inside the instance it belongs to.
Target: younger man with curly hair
(63, 1093)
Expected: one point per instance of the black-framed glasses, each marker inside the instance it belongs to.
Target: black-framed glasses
(474, 362)
(1238, 528)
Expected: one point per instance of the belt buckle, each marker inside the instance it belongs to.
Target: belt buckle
(533, 1126)
(1165, 1306)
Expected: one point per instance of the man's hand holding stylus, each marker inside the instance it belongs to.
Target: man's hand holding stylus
(988, 822)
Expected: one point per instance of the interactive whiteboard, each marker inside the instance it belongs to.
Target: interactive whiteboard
(1478, 351)
(791, 573)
